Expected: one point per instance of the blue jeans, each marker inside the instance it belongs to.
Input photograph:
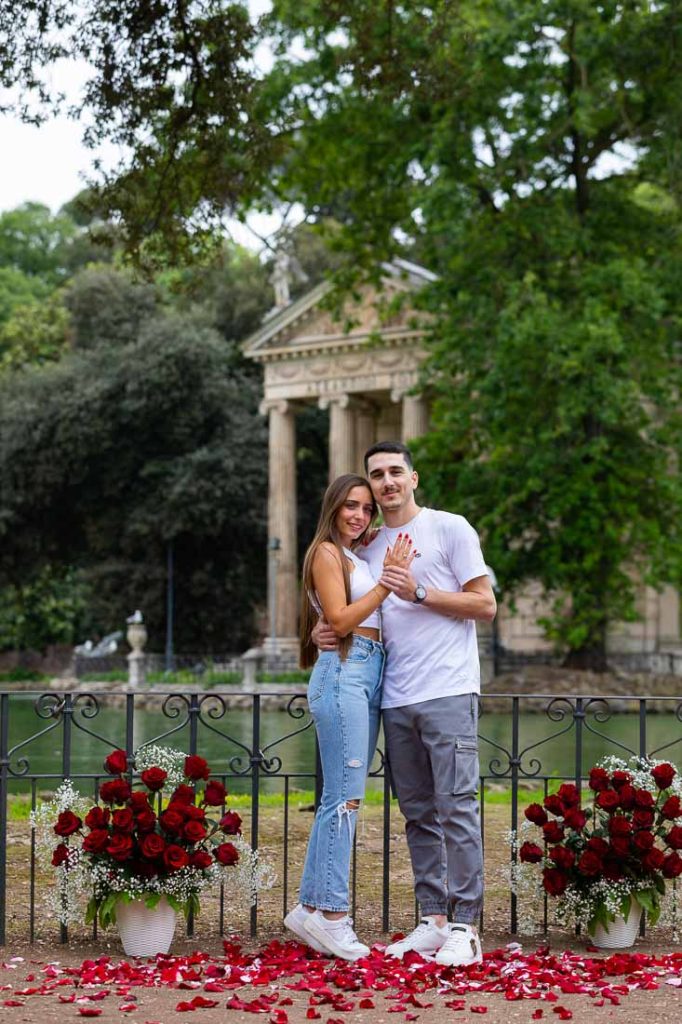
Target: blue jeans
(345, 700)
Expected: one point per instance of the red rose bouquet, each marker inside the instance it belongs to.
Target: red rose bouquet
(166, 835)
(615, 841)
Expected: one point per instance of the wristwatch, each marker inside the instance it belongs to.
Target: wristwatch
(419, 594)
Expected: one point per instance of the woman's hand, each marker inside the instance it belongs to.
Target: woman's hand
(402, 554)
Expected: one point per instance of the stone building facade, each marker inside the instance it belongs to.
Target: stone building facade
(363, 370)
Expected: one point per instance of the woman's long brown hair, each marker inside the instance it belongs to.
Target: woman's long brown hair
(334, 497)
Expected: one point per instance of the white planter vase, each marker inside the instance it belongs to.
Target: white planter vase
(145, 931)
(622, 932)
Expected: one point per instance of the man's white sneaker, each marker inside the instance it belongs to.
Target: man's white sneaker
(336, 937)
(462, 947)
(295, 921)
(426, 938)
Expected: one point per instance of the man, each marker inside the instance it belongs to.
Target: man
(430, 701)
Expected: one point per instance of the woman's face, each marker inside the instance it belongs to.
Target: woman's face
(355, 514)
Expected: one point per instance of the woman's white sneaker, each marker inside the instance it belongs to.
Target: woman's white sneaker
(295, 921)
(427, 938)
(337, 937)
(461, 948)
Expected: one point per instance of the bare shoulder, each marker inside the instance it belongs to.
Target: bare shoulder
(327, 552)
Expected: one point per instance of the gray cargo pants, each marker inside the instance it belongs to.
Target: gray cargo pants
(433, 756)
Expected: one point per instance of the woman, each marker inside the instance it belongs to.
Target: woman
(344, 696)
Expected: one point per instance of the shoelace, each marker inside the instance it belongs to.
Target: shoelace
(421, 927)
(348, 935)
(457, 938)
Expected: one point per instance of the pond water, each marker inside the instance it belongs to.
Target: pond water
(221, 739)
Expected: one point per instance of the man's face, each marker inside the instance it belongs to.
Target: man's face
(393, 482)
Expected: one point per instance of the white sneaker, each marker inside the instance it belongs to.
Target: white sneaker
(336, 937)
(295, 922)
(462, 947)
(426, 938)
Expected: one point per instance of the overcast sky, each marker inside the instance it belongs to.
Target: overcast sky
(49, 164)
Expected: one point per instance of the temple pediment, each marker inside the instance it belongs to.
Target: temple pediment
(307, 326)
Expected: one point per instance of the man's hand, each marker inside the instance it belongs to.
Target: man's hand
(324, 637)
(399, 581)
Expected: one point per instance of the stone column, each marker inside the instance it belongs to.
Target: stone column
(282, 574)
(341, 434)
(415, 417)
(365, 432)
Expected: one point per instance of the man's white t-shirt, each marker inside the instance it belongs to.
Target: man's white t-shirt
(428, 654)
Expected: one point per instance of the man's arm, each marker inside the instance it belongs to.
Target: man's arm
(323, 636)
(475, 601)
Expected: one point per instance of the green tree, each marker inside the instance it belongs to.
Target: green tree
(112, 453)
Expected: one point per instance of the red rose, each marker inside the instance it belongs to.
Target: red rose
(174, 857)
(214, 794)
(145, 820)
(672, 865)
(122, 820)
(554, 881)
(183, 794)
(152, 846)
(138, 800)
(226, 854)
(554, 804)
(674, 839)
(115, 792)
(67, 823)
(613, 871)
(590, 864)
(619, 779)
(194, 831)
(663, 775)
(621, 845)
(116, 763)
(171, 821)
(231, 823)
(553, 832)
(569, 795)
(530, 853)
(536, 814)
(196, 768)
(653, 859)
(98, 817)
(642, 818)
(562, 857)
(607, 799)
(599, 779)
(643, 840)
(626, 796)
(154, 778)
(575, 818)
(598, 845)
(643, 798)
(619, 826)
(96, 841)
(120, 846)
(61, 855)
(201, 859)
(672, 808)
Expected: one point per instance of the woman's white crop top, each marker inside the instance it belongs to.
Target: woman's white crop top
(361, 582)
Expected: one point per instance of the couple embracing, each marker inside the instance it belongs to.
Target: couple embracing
(393, 615)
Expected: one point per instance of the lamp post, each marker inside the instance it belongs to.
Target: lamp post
(274, 546)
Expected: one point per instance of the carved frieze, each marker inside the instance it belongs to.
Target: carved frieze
(309, 377)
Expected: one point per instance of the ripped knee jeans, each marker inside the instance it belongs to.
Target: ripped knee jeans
(345, 701)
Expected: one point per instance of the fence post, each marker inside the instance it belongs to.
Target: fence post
(514, 763)
(256, 758)
(4, 772)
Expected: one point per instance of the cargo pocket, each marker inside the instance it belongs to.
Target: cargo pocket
(466, 766)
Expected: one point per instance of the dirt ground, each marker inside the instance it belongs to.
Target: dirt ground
(140, 1004)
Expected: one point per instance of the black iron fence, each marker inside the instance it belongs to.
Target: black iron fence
(262, 745)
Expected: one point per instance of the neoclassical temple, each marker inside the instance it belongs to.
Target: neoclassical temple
(364, 369)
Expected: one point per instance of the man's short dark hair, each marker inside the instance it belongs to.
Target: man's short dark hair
(394, 447)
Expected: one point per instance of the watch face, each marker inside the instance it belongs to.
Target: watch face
(420, 593)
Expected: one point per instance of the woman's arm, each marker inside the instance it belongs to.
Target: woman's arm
(328, 580)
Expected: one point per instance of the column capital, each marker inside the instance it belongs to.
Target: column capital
(280, 405)
(342, 400)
